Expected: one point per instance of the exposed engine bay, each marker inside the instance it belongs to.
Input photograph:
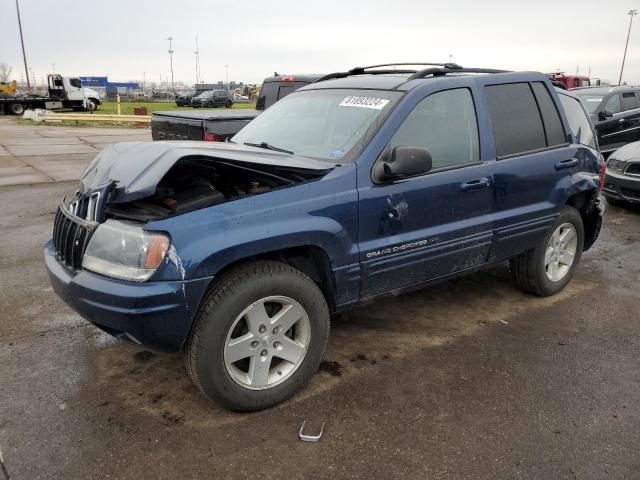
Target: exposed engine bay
(196, 183)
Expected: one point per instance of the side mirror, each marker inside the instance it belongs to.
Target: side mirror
(402, 162)
(605, 114)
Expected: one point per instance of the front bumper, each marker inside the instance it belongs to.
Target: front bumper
(621, 187)
(157, 315)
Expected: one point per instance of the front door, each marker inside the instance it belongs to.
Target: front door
(623, 126)
(428, 226)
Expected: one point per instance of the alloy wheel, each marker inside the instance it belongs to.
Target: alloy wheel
(561, 251)
(267, 342)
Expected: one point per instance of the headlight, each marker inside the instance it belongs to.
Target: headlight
(125, 251)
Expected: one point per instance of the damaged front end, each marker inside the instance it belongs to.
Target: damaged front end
(103, 229)
(146, 182)
(199, 182)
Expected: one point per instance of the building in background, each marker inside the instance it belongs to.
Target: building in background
(110, 89)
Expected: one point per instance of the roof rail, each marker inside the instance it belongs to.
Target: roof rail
(437, 69)
(437, 72)
(363, 70)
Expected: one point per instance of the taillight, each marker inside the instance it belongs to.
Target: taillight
(211, 137)
(603, 174)
(288, 78)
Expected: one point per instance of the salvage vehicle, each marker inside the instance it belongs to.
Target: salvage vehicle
(622, 179)
(363, 184)
(184, 99)
(615, 112)
(63, 92)
(218, 126)
(212, 99)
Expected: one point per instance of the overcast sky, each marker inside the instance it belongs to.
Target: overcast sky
(123, 39)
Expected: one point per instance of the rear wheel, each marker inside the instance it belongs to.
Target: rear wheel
(548, 268)
(16, 108)
(258, 337)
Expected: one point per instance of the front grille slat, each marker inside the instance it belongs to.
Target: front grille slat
(71, 235)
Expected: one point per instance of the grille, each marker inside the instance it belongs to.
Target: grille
(71, 235)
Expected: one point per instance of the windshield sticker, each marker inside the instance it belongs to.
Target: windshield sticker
(337, 153)
(364, 102)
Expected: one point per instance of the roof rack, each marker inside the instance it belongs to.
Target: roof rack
(437, 72)
(437, 69)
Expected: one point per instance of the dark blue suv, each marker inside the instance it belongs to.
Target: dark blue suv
(362, 184)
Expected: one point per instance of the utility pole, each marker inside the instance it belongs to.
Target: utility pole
(198, 79)
(24, 55)
(227, 75)
(171, 63)
(53, 68)
(450, 58)
(624, 56)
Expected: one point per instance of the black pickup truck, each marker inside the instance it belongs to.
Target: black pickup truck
(217, 125)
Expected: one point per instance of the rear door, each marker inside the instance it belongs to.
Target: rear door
(533, 163)
(420, 228)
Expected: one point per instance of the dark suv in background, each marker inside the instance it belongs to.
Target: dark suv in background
(184, 99)
(615, 112)
(279, 86)
(212, 99)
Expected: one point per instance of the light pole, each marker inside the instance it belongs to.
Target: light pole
(24, 55)
(173, 88)
(227, 76)
(631, 14)
(197, 53)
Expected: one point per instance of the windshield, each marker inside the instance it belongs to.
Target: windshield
(591, 102)
(323, 124)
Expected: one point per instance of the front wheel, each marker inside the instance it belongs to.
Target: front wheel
(229, 104)
(16, 108)
(91, 106)
(259, 336)
(548, 268)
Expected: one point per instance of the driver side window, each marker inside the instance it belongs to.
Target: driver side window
(444, 123)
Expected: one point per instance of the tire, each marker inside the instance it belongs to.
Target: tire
(91, 106)
(16, 108)
(529, 269)
(229, 104)
(221, 320)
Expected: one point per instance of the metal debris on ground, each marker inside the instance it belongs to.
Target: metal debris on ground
(310, 438)
(4, 467)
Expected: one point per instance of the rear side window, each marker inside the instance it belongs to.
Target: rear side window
(550, 117)
(578, 121)
(629, 101)
(444, 123)
(285, 90)
(517, 123)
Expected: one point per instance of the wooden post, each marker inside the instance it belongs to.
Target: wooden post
(118, 103)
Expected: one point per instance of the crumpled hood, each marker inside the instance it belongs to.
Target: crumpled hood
(137, 167)
(631, 151)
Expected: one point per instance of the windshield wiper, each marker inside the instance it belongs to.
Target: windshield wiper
(266, 146)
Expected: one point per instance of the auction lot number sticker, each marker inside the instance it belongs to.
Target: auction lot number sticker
(364, 102)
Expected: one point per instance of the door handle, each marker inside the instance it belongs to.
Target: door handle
(622, 120)
(569, 163)
(476, 184)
